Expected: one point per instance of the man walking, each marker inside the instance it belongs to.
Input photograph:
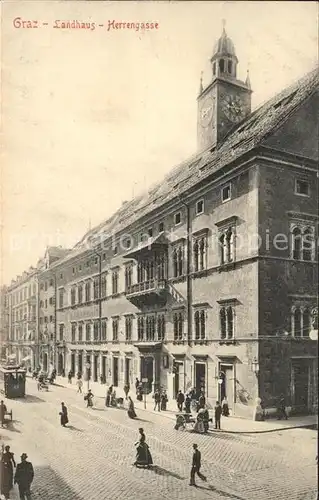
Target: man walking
(180, 401)
(79, 383)
(3, 411)
(157, 400)
(196, 465)
(218, 413)
(23, 477)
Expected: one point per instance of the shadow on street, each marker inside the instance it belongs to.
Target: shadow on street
(164, 472)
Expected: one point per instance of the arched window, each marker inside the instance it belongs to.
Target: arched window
(202, 254)
(222, 65)
(306, 326)
(180, 261)
(230, 67)
(223, 323)
(88, 332)
(161, 327)
(88, 291)
(197, 325)
(140, 329)
(202, 325)
(297, 322)
(230, 323)
(196, 255)
(230, 245)
(80, 294)
(222, 246)
(175, 266)
(296, 243)
(307, 244)
(214, 69)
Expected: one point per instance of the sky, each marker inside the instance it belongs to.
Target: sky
(91, 118)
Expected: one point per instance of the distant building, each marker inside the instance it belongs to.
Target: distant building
(3, 323)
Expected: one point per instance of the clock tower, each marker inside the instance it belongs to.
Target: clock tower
(226, 101)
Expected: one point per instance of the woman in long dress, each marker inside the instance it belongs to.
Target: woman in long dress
(7, 464)
(143, 454)
(64, 415)
(131, 410)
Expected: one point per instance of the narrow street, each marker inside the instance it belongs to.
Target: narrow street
(92, 458)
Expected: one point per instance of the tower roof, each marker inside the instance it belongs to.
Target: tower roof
(224, 45)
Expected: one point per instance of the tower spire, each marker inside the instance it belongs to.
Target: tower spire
(224, 26)
(201, 88)
(247, 81)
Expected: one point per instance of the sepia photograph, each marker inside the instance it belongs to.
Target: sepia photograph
(159, 250)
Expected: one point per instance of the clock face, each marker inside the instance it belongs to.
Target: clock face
(206, 111)
(233, 108)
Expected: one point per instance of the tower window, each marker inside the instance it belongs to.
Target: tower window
(222, 65)
(214, 69)
(230, 67)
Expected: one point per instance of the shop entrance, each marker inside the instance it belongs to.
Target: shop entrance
(147, 371)
(301, 385)
(226, 384)
(200, 378)
(127, 380)
(115, 372)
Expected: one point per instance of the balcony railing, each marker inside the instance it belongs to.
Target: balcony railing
(145, 287)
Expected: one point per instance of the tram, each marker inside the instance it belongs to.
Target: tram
(12, 381)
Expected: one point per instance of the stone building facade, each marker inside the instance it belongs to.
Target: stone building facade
(209, 280)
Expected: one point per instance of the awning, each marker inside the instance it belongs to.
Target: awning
(148, 346)
(160, 239)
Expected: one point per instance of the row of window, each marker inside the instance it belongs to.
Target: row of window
(303, 320)
(151, 327)
(23, 294)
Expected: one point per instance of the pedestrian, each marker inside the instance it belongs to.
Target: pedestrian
(108, 395)
(188, 404)
(9, 462)
(70, 375)
(143, 454)
(218, 413)
(79, 383)
(201, 401)
(282, 409)
(225, 407)
(3, 411)
(131, 409)
(164, 401)
(137, 383)
(196, 465)
(64, 419)
(126, 390)
(180, 400)
(89, 399)
(23, 477)
(157, 400)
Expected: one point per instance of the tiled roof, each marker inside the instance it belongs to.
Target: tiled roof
(248, 134)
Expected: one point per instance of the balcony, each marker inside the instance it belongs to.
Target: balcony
(147, 292)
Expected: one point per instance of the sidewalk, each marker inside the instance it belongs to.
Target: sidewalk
(233, 425)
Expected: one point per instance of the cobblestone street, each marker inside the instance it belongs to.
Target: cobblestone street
(92, 458)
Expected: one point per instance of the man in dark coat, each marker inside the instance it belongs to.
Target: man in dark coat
(3, 411)
(180, 400)
(157, 400)
(218, 413)
(23, 477)
(196, 465)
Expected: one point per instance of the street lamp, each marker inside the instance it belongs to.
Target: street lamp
(88, 374)
(255, 366)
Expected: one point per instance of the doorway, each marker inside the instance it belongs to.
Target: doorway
(147, 370)
(45, 362)
(104, 369)
(127, 371)
(115, 372)
(200, 378)
(73, 363)
(226, 387)
(80, 363)
(179, 377)
(60, 364)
